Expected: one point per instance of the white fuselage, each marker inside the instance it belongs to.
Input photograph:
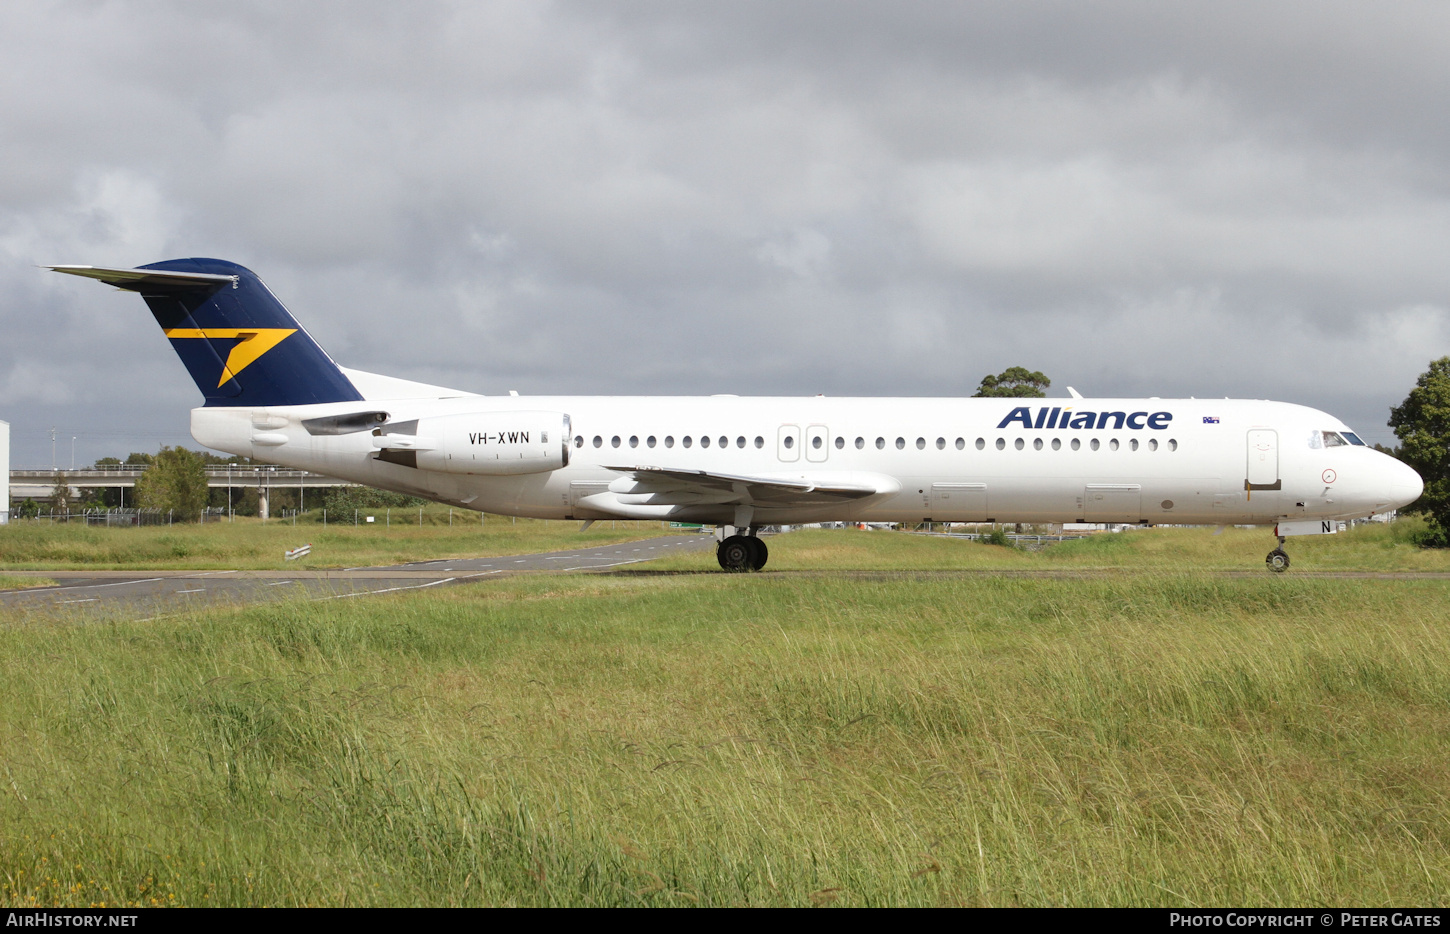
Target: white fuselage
(1149, 460)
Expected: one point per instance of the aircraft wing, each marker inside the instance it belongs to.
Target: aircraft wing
(661, 486)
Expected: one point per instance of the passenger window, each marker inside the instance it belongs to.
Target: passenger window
(961, 444)
(941, 444)
(704, 441)
(880, 443)
(634, 441)
(669, 441)
(1001, 444)
(921, 444)
(860, 443)
(1172, 444)
(1036, 444)
(614, 442)
(578, 441)
(840, 442)
(724, 441)
(1152, 444)
(789, 442)
(1019, 444)
(740, 441)
(1093, 444)
(1113, 445)
(900, 444)
(816, 442)
(1133, 445)
(759, 441)
(598, 441)
(1076, 444)
(1057, 444)
(981, 443)
(686, 441)
(650, 441)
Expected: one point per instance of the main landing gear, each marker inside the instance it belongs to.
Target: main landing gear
(1278, 559)
(742, 553)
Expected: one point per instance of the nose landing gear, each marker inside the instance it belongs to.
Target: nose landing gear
(1278, 559)
(742, 553)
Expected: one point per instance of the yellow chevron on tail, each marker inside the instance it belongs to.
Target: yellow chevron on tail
(251, 344)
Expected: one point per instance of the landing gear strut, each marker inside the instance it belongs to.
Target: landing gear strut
(742, 553)
(1278, 559)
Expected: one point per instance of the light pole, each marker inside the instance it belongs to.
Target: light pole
(72, 452)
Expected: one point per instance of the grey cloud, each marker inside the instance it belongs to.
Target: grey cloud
(1218, 199)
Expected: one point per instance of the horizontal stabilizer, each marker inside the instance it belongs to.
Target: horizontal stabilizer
(138, 279)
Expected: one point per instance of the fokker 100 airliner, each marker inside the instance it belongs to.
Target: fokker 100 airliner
(741, 463)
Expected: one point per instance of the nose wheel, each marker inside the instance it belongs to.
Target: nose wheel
(1278, 559)
(742, 553)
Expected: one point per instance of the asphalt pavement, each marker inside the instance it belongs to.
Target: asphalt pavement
(142, 593)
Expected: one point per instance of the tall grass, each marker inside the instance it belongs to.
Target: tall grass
(1148, 738)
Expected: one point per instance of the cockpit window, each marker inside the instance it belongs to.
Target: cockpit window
(1332, 439)
(1353, 438)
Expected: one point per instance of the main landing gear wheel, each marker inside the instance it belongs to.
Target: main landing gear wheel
(759, 554)
(741, 553)
(1278, 560)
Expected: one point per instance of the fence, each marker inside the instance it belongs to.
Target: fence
(107, 517)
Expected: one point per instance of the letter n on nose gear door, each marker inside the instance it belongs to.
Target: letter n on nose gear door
(1263, 466)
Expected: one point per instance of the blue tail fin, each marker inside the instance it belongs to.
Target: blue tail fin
(239, 343)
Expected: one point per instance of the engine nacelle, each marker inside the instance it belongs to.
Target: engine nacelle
(488, 443)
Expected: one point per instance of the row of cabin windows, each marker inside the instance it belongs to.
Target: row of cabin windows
(816, 442)
(651, 441)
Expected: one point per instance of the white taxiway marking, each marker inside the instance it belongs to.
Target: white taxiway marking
(197, 590)
(86, 600)
(148, 580)
(365, 593)
(280, 583)
(583, 567)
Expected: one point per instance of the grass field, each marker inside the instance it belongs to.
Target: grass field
(1372, 547)
(250, 544)
(11, 582)
(1151, 736)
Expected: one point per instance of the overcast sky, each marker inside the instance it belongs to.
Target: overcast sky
(1221, 199)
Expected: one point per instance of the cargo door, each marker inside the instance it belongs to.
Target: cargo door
(1112, 502)
(959, 502)
(578, 489)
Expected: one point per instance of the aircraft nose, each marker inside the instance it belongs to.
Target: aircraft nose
(1404, 484)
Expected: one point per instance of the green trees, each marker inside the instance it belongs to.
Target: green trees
(60, 494)
(1014, 382)
(175, 482)
(1422, 423)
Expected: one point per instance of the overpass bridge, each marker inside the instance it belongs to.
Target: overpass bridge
(37, 483)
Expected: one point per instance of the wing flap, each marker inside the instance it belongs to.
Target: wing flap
(667, 486)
